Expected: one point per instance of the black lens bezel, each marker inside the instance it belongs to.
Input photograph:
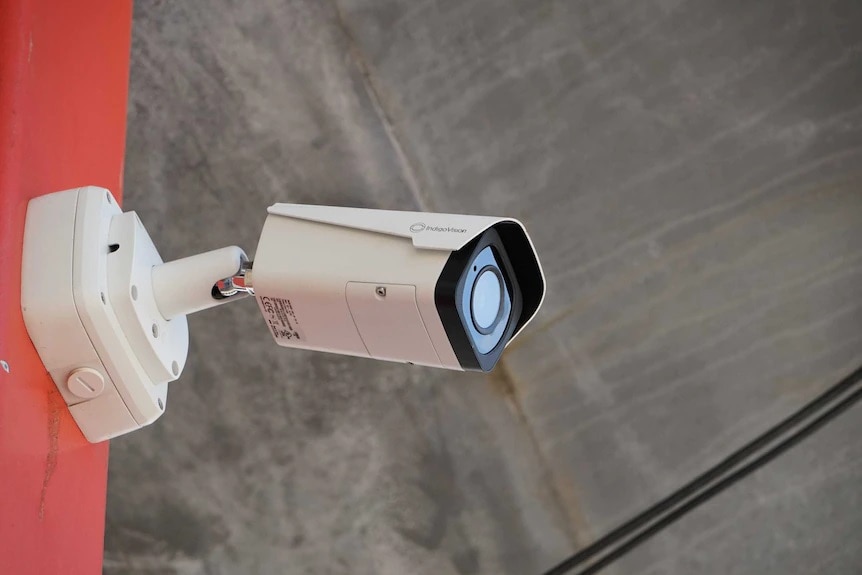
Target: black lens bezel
(448, 296)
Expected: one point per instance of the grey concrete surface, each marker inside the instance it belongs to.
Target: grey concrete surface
(691, 174)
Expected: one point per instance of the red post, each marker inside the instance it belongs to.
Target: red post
(63, 86)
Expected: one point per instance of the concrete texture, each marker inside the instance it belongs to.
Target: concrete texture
(690, 173)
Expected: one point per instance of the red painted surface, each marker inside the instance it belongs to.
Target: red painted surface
(63, 84)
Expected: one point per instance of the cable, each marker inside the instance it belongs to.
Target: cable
(655, 528)
(725, 466)
(721, 476)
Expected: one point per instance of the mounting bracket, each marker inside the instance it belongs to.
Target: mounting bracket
(106, 315)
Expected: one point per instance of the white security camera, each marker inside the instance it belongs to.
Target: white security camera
(108, 316)
(442, 290)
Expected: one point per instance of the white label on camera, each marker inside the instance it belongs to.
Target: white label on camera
(281, 319)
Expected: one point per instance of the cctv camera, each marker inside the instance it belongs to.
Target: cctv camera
(108, 316)
(441, 290)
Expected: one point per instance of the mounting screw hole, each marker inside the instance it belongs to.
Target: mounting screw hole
(102, 295)
(155, 330)
(475, 268)
(175, 367)
(135, 293)
(161, 404)
(113, 247)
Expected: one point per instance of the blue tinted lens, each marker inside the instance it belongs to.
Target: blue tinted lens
(487, 299)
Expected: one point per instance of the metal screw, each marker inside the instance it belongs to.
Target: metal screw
(381, 291)
(4, 365)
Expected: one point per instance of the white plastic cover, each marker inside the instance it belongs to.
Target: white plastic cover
(428, 230)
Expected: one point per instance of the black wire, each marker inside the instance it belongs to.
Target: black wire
(723, 484)
(715, 474)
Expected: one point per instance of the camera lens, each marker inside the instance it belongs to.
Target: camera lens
(487, 299)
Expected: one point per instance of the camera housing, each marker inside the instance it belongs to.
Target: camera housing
(441, 290)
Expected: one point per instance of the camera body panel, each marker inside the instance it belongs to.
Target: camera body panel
(371, 283)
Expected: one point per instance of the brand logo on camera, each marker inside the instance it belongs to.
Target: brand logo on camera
(420, 227)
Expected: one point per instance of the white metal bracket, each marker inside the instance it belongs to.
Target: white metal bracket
(97, 314)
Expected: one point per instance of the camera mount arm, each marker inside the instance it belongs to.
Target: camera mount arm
(201, 281)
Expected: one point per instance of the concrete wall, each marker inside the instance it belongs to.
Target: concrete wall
(691, 174)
